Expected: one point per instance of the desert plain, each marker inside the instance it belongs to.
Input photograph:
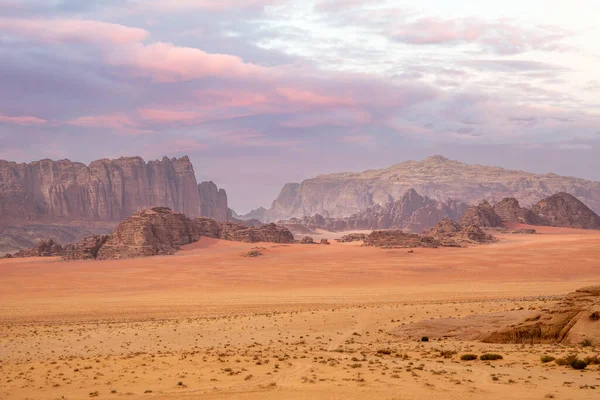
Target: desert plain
(299, 322)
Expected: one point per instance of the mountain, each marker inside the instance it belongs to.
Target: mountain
(482, 215)
(412, 212)
(344, 194)
(564, 210)
(83, 197)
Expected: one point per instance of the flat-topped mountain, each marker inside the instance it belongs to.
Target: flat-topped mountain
(344, 194)
(411, 212)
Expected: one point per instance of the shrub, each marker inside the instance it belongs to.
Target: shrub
(578, 364)
(424, 339)
(547, 359)
(490, 357)
(447, 353)
(593, 360)
(384, 351)
(566, 360)
(586, 343)
(468, 357)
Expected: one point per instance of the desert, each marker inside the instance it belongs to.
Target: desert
(297, 322)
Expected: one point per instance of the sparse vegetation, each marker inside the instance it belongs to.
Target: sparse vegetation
(546, 359)
(586, 343)
(578, 364)
(424, 339)
(469, 357)
(490, 357)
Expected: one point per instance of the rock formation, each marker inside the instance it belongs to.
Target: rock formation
(395, 239)
(307, 240)
(241, 233)
(482, 215)
(412, 212)
(564, 210)
(50, 193)
(86, 249)
(158, 231)
(213, 202)
(44, 248)
(509, 210)
(353, 237)
(453, 234)
(574, 319)
(344, 194)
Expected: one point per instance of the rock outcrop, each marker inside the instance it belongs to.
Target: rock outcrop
(453, 234)
(44, 248)
(482, 215)
(353, 237)
(572, 320)
(158, 231)
(564, 210)
(345, 194)
(242, 233)
(395, 239)
(412, 213)
(510, 211)
(86, 249)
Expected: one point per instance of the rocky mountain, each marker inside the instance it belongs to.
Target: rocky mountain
(345, 194)
(509, 210)
(451, 233)
(412, 212)
(565, 210)
(482, 215)
(50, 194)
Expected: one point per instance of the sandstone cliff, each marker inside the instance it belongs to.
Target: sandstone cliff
(213, 202)
(412, 212)
(49, 194)
(344, 194)
(509, 210)
(482, 215)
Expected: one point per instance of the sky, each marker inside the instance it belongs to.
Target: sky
(263, 92)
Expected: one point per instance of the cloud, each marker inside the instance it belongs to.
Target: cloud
(165, 62)
(341, 118)
(163, 115)
(72, 31)
(22, 120)
(117, 122)
(174, 146)
(514, 66)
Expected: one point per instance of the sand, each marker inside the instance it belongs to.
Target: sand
(299, 322)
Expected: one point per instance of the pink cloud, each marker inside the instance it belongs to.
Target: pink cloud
(165, 62)
(311, 98)
(358, 139)
(342, 118)
(22, 120)
(233, 98)
(118, 122)
(248, 138)
(164, 115)
(72, 31)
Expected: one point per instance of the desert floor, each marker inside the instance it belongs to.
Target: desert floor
(299, 322)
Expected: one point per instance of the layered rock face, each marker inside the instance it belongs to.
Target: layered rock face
(575, 318)
(395, 239)
(344, 194)
(242, 233)
(412, 212)
(50, 193)
(106, 190)
(158, 231)
(453, 234)
(482, 215)
(213, 202)
(564, 210)
(509, 210)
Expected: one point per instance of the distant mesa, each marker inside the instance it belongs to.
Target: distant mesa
(345, 194)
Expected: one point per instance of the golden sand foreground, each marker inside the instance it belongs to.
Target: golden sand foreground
(299, 322)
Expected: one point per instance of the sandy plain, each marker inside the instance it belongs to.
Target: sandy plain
(299, 322)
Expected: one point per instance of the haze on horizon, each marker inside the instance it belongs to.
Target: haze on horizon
(263, 92)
